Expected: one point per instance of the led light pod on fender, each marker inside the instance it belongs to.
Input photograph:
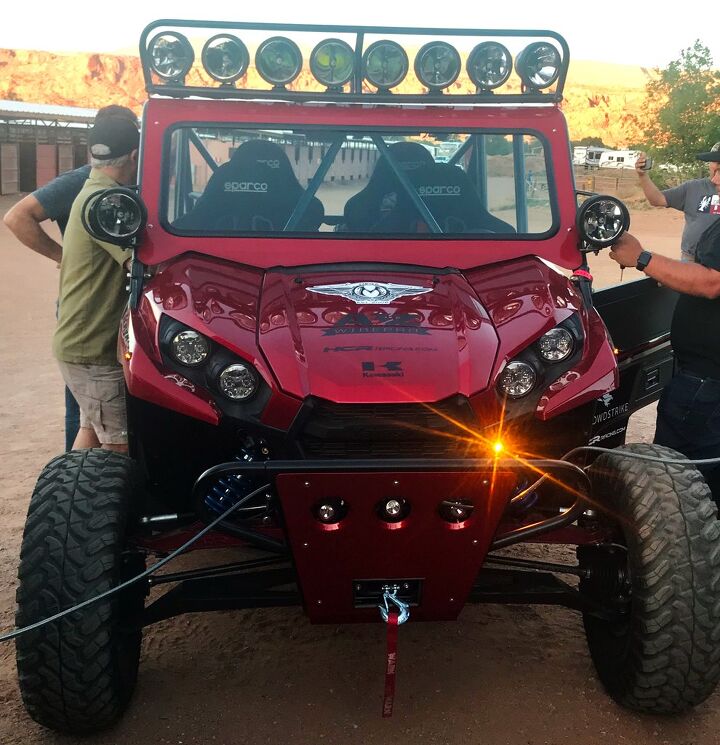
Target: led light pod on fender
(238, 381)
(556, 345)
(517, 379)
(601, 220)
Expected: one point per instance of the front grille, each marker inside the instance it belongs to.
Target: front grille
(389, 430)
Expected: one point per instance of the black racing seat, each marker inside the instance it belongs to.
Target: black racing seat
(383, 192)
(256, 190)
(452, 199)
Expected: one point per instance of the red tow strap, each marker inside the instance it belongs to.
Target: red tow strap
(391, 663)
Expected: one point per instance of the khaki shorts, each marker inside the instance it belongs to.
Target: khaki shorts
(100, 393)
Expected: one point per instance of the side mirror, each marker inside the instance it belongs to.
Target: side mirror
(601, 220)
(115, 215)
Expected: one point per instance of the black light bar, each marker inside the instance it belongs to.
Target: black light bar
(540, 83)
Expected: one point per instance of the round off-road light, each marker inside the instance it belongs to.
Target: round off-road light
(330, 511)
(278, 60)
(115, 215)
(385, 64)
(225, 58)
(171, 55)
(517, 379)
(602, 220)
(556, 345)
(538, 65)
(455, 510)
(489, 65)
(238, 381)
(332, 62)
(393, 509)
(189, 348)
(437, 65)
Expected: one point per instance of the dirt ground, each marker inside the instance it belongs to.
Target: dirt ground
(500, 675)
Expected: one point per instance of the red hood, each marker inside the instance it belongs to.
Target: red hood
(424, 346)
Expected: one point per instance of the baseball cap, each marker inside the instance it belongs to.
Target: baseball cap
(713, 156)
(112, 137)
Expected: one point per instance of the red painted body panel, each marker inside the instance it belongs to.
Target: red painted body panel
(446, 557)
(158, 245)
(422, 348)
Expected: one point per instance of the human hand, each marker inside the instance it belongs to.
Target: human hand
(627, 250)
(640, 164)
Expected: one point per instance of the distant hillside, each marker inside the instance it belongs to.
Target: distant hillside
(601, 100)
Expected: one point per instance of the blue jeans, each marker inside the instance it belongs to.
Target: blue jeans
(688, 420)
(72, 419)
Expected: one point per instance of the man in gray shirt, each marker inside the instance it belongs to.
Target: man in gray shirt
(53, 202)
(699, 199)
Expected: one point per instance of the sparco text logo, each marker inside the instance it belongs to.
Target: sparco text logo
(439, 191)
(246, 186)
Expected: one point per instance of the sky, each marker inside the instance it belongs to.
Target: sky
(624, 32)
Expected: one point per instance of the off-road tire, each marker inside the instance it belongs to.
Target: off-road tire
(77, 674)
(665, 657)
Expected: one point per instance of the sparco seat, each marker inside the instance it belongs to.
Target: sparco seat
(384, 192)
(452, 199)
(256, 190)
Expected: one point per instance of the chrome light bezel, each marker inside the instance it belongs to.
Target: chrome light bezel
(276, 45)
(509, 380)
(373, 64)
(557, 332)
(181, 43)
(601, 220)
(480, 60)
(319, 68)
(196, 336)
(449, 67)
(539, 65)
(241, 62)
(249, 384)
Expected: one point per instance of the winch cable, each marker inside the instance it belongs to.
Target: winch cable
(150, 570)
(640, 456)
(174, 554)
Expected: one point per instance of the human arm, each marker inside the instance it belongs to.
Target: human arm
(23, 220)
(652, 193)
(686, 277)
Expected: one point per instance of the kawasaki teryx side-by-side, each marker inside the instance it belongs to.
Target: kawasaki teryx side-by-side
(362, 341)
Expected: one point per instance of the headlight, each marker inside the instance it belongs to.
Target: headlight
(538, 65)
(385, 64)
(517, 379)
(489, 65)
(437, 65)
(225, 58)
(278, 60)
(190, 348)
(556, 345)
(602, 220)
(171, 55)
(238, 381)
(331, 62)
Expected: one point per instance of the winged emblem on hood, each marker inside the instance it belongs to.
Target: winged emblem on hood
(370, 293)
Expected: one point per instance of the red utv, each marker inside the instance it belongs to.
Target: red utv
(362, 349)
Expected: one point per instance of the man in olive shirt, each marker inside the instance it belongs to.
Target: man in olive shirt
(93, 296)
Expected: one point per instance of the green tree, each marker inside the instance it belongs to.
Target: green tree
(681, 112)
(591, 142)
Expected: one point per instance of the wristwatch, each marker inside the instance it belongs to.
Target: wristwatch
(643, 260)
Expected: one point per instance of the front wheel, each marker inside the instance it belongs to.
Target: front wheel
(77, 674)
(662, 572)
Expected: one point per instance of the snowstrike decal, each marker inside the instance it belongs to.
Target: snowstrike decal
(378, 322)
(610, 411)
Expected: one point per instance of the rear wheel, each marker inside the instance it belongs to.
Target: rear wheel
(77, 674)
(662, 654)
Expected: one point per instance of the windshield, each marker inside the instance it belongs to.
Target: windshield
(224, 180)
